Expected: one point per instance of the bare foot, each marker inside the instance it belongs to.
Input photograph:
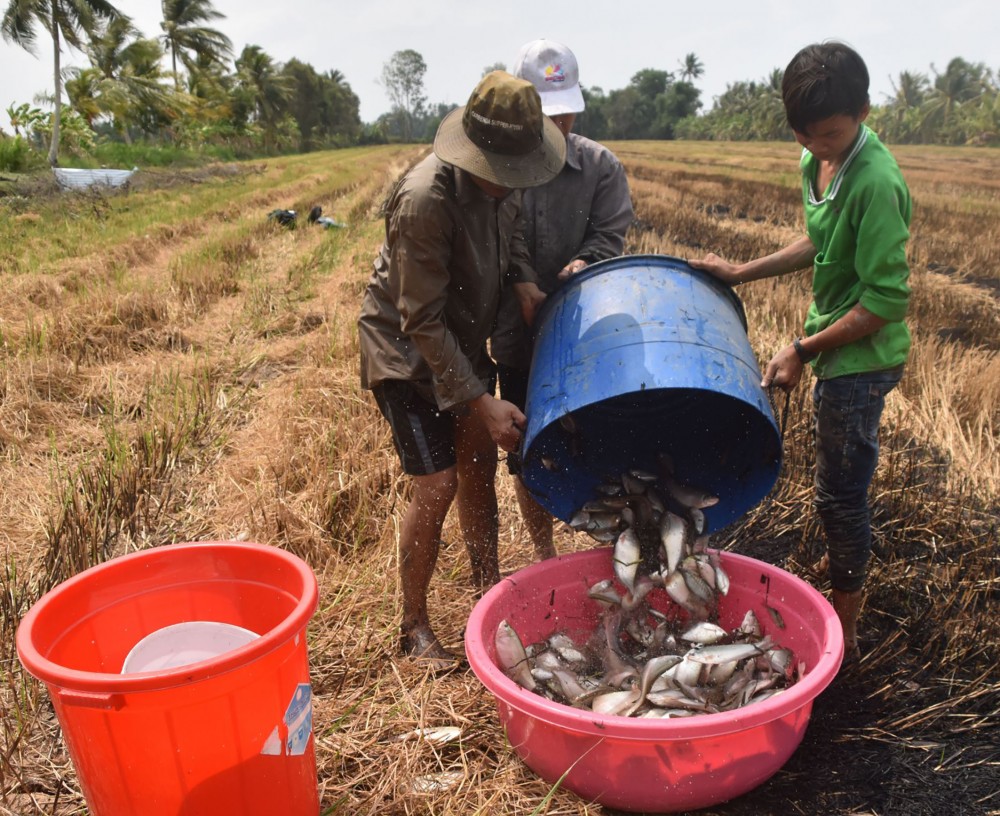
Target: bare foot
(851, 664)
(820, 569)
(421, 645)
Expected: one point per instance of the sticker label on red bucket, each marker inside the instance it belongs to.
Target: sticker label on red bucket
(298, 719)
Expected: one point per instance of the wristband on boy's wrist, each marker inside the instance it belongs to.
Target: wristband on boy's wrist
(804, 356)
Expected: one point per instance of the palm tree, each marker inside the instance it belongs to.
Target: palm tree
(128, 83)
(899, 114)
(267, 89)
(961, 83)
(691, 67)
(65, 20)
(769, 117)
(187, 38)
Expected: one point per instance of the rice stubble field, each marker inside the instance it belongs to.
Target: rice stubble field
(176, 367)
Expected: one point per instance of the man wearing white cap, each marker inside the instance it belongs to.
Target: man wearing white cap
(579, 217)
(453, 244)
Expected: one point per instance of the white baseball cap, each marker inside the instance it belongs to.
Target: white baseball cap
(551, 67)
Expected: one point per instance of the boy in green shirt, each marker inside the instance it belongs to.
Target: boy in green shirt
(857, 210)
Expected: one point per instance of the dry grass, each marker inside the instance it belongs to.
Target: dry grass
(189, 371)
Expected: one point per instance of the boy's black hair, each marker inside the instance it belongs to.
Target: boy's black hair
(823, 80)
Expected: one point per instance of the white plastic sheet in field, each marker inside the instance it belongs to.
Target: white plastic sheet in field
(74, 178)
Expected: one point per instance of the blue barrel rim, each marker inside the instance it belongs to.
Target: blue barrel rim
(650, 259)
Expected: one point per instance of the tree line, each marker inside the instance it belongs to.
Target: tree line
(185, 87)
(249, 105)
(957, 106)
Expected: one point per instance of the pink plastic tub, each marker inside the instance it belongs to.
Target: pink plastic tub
(660, 766)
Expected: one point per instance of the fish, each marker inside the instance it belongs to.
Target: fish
(713, 655)
(697, 520)
(721, 576)
(513, 659)
(750, 625)
(612, 489)
(642, 475)
(615, 702)
(674, 538)
(704, 633)
(605, 592)
(626, 558)
(658, 650)
(605, 521)
(688, 495)
(701, 590)
(633, 485)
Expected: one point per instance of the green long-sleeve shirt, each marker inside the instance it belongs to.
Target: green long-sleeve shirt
(859, 226)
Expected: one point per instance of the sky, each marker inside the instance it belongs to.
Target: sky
(734, 39)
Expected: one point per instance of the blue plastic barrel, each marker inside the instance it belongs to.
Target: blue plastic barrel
(639, 356)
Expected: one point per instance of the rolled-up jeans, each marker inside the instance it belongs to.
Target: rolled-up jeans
(847, 414)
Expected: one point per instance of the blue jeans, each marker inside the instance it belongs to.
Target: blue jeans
(847, 414)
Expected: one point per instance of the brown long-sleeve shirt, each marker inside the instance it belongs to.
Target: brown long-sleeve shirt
(432, 299)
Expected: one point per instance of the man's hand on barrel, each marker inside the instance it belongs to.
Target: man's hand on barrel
(574, 266)
(530, 298)
(503, 420)
(784, 370)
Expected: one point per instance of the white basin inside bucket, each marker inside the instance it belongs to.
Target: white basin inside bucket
(184, 643)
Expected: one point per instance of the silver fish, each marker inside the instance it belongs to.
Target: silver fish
(633, 486)
(724, 653)
(688, 495)
(697, 520)
(750, 625)
(605, 592)
(674, 535)
(675, 698)
(705, 633)
(721, 576)
(627, 556)
(722, 672)
(604, 521)
(692, 577)
(653, 669)
(615, 702)
(513, 659)
(642, 475)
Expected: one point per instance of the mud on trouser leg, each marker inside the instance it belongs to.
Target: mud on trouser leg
(847, 414)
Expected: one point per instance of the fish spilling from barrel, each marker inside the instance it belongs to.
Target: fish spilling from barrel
(658, 650)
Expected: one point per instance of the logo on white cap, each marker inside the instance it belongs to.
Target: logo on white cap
(554, 73)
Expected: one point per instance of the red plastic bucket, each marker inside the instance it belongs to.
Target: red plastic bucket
(653, 765)
(228, 734)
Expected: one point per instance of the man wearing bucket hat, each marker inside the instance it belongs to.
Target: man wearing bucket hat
(579, 217)
(452, 245)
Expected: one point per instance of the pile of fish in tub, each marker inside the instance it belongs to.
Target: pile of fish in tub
(639, 661)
